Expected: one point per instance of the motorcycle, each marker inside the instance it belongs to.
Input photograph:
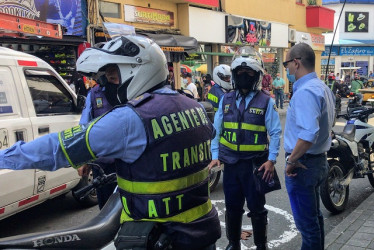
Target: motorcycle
(351, 156)
(98, 233)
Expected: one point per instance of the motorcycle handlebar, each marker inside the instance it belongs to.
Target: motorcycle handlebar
(359, 114)
(96, 183)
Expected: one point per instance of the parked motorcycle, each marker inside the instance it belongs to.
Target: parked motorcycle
(351, 156)
(98, 233)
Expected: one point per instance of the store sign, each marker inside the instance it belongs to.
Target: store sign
(317, 42)
(243, 31)
(137, 14)
(268, 57)
(213, 3)
(173, 49)
(356, 51)
(356, 22)
(68, 13)
(334, 51)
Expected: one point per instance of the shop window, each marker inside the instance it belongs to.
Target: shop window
(108, 9)
(48, 94)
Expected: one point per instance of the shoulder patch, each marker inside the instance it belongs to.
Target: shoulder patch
(140, 99)
(275, 108)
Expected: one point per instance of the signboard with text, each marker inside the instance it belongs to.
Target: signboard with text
(317, 42)
(67, 13)
(356, 51)
(137, 14)
(356, 21)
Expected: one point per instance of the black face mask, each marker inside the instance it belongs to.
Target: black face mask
(243, 81)
(111, 93)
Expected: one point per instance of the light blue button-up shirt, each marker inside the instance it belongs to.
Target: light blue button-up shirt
(120, 135)
(272, 124)
(310, 115)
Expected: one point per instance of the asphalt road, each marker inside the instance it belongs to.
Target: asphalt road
(64, 212)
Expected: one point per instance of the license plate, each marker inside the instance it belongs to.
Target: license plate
(4, 138)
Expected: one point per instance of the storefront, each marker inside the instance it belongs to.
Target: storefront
(353, 47)
(61, 53)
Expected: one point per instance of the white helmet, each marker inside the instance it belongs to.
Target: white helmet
(141, 63)
(222, 76)
(247, 59)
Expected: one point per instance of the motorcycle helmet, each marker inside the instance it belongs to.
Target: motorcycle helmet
(141, 64)
(247, 58)
(222, 76)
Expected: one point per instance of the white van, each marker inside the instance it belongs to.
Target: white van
(34, 101)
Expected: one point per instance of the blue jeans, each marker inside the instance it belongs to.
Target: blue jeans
(303, 191)
(279, 97)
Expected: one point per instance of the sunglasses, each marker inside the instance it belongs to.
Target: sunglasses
(286, 62)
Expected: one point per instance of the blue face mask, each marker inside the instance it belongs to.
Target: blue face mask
(291, 78)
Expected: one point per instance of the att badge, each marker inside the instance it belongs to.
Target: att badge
(99, 102)
(275, 107)
(227, 106)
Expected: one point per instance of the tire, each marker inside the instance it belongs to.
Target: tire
(334, 196)
(213, 179)
(91, 199)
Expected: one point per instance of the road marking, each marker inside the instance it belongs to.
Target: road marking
(284, 238)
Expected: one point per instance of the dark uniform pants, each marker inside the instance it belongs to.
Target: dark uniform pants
(238, 186)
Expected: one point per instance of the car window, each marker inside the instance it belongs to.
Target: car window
(48, 94)
(7, 93)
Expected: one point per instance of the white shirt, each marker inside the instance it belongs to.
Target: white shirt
(192, 87)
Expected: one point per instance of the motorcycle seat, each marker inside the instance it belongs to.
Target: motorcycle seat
(349, 132)
(94, 234)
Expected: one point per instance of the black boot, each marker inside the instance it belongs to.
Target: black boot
(259, 224)
(233, 230)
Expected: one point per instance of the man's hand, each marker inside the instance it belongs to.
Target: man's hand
(84, 170)
(290, 168)
(214, 163)
(269, 170)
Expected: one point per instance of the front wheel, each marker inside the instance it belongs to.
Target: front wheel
(213, 179)
(334, 196)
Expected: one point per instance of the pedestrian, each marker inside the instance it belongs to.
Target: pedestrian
(371, 75)
(187, 80)
(100, 99)
(337, 78)
(155, 146)
(278, 86)
(222, 79)
(199, 89)
(267, 81)
(307, 138)
(355, 86)
(171, 80)
(243, 121)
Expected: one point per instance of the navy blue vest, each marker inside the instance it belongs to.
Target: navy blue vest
(243, 136)
(99, 103)
(214, 96)
(169, 182)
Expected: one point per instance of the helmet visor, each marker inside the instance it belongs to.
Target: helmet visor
(225, 78)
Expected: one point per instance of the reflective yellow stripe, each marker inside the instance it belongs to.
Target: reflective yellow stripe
(228, 144)
(64, 151)
(245, 148)
(184, 217)
(231, 125)
(252, 127)
(215, 109)
(161, 187)
(252, 147)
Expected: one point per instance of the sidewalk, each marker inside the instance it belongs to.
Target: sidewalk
(356, 231)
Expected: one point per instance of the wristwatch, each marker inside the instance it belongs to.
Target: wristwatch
(290, 162)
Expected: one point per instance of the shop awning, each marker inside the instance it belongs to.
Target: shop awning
(172, 43)
(355, 42)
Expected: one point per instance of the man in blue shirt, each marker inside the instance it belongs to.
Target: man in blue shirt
(160, 140)
(310, 116)
(278, 86)
(244, 119)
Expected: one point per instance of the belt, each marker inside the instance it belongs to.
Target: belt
(309, 156)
